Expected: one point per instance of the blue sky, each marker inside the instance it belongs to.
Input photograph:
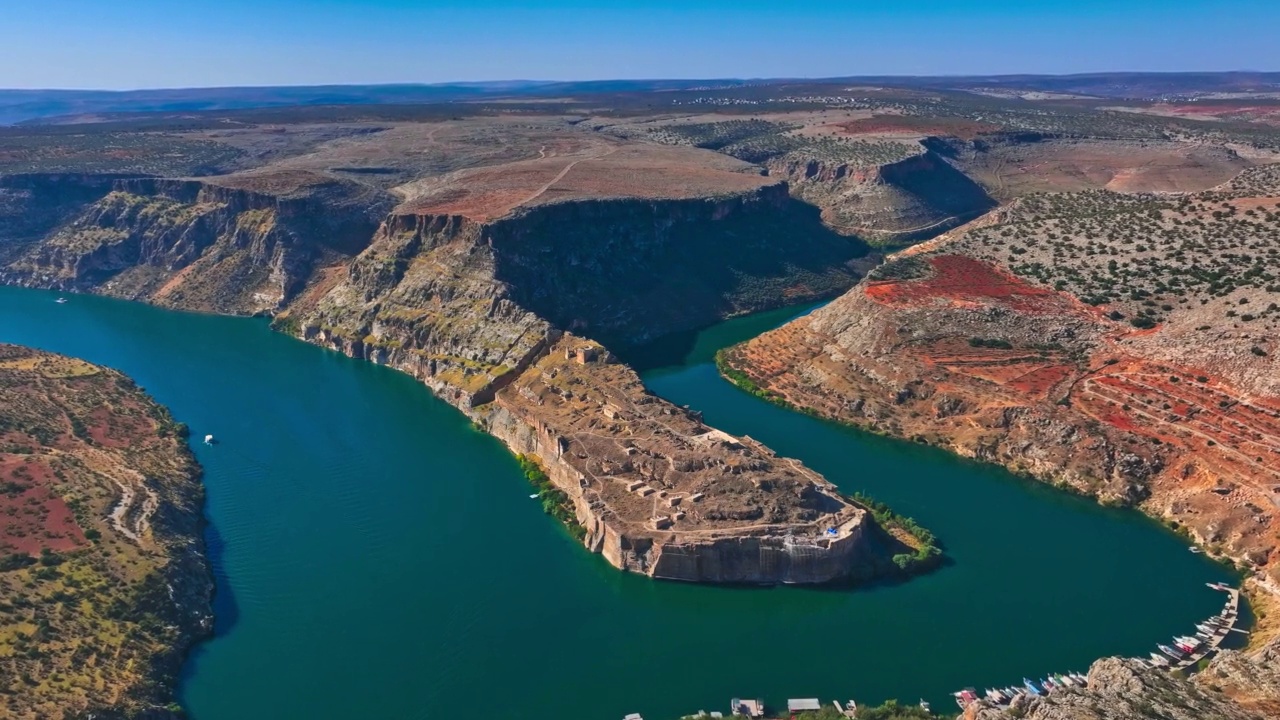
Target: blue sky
(121, 44)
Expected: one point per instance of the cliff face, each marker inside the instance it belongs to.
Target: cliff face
(190, 244)
(902, 363)
(629, 270)
(478, 312)
(660, 493)
(462, 303)
(33, 205)
(916, 197)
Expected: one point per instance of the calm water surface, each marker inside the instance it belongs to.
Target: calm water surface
(375, 556)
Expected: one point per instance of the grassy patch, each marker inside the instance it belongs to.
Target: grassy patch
(554, 501)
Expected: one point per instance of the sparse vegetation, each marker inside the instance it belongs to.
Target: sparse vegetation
(554, 501)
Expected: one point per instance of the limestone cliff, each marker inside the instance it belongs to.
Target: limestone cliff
(918, 196)
(478, 311)
(190, 243)
(659, 492)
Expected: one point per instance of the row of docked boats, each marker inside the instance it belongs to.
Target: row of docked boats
(1034, 688)
(1187, 646)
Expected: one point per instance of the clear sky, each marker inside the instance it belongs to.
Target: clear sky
(120, 44)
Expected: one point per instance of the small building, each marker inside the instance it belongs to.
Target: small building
(674, 500)
(747, 708)
(801, 704)
(635, 485)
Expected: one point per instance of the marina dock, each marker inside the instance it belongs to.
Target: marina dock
(1184, 654)
(1229, 615)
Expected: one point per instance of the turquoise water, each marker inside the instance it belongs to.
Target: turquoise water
(377, 557)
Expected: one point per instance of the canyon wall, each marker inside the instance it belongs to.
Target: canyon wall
(188, 243)
(487, 312)
(910, 199)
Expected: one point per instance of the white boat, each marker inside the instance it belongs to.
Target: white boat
(924, 705)
(61, 301)
(533, 496)
(208, 440)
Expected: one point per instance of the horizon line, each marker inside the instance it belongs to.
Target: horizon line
(532, 82)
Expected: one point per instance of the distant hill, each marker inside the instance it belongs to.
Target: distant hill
(20, 106)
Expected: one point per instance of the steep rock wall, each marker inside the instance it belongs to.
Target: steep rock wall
(191, 244)
(917, 197)
(631, 270)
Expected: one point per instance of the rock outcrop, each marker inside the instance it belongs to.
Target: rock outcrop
(899, 202)
(1120, 345)
(197, 245)
(480, 312)
(1235, 686)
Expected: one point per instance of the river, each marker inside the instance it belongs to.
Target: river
(376, 556)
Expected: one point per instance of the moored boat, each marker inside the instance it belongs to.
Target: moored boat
(1031, 687)
(1171, 652)
(966, 697)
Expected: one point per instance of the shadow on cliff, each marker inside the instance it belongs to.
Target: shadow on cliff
(625, 272)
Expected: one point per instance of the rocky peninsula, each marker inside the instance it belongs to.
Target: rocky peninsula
(104, 585)
(494, 279)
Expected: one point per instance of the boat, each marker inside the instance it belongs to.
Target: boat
(925, 706)
(208, 440)
(850, 708)
(1048, 686)
(1195, 549)
(1158, 659)
(1084, 679)
(965, 697)
(1031, 687)
(1175, 654)
(61, 301)
(1066, 680)
(533, 496)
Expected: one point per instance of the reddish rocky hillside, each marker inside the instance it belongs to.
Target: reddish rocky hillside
(1119, 345)
(103, 584)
